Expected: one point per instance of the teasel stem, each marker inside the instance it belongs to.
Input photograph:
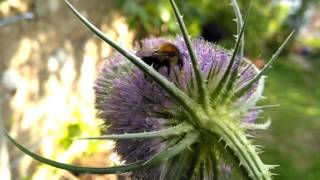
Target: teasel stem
(224, 80)
(234, 74)
(239, 22)
(243, 149)
(203, 94)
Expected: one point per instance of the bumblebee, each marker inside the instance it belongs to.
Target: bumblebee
(166, 55)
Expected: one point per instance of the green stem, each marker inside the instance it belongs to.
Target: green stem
(231, 157)
(243, 149)
(224, 80)
(237, 12)
(196, 69)
(234, 74)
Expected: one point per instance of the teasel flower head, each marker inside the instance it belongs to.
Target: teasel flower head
(191, 120)
(129, 102)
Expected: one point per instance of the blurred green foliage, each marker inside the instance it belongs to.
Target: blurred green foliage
(158, 20)
(288, 22)
(311, 42)
(77, 128)
(293, 138)
(269, 22)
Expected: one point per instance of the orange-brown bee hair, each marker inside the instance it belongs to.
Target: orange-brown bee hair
(166, 55)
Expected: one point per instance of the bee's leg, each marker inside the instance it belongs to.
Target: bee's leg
(168, 70)
(176, 76)
(168, 66)
(157, 67)
(180, 64)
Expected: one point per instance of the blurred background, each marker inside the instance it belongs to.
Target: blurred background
(49, 61)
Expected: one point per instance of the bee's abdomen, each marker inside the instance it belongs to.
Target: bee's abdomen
(150, 60)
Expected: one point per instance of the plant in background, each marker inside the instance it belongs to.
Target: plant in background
(182, 121)
(295, 19)
(156, 20)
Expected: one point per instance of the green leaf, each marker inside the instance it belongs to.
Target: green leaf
(196, 69)
(79, 169)
(173, 131)
(187, 103)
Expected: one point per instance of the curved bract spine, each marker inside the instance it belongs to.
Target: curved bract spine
(224, 80)
(171, 89)
(72, 168)
(265, 68)
(164, 133)
(204, 99)
(158, 158)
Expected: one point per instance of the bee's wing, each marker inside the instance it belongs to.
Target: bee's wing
(145, 53)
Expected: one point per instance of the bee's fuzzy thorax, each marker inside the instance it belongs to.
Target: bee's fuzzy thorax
(168, 47)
